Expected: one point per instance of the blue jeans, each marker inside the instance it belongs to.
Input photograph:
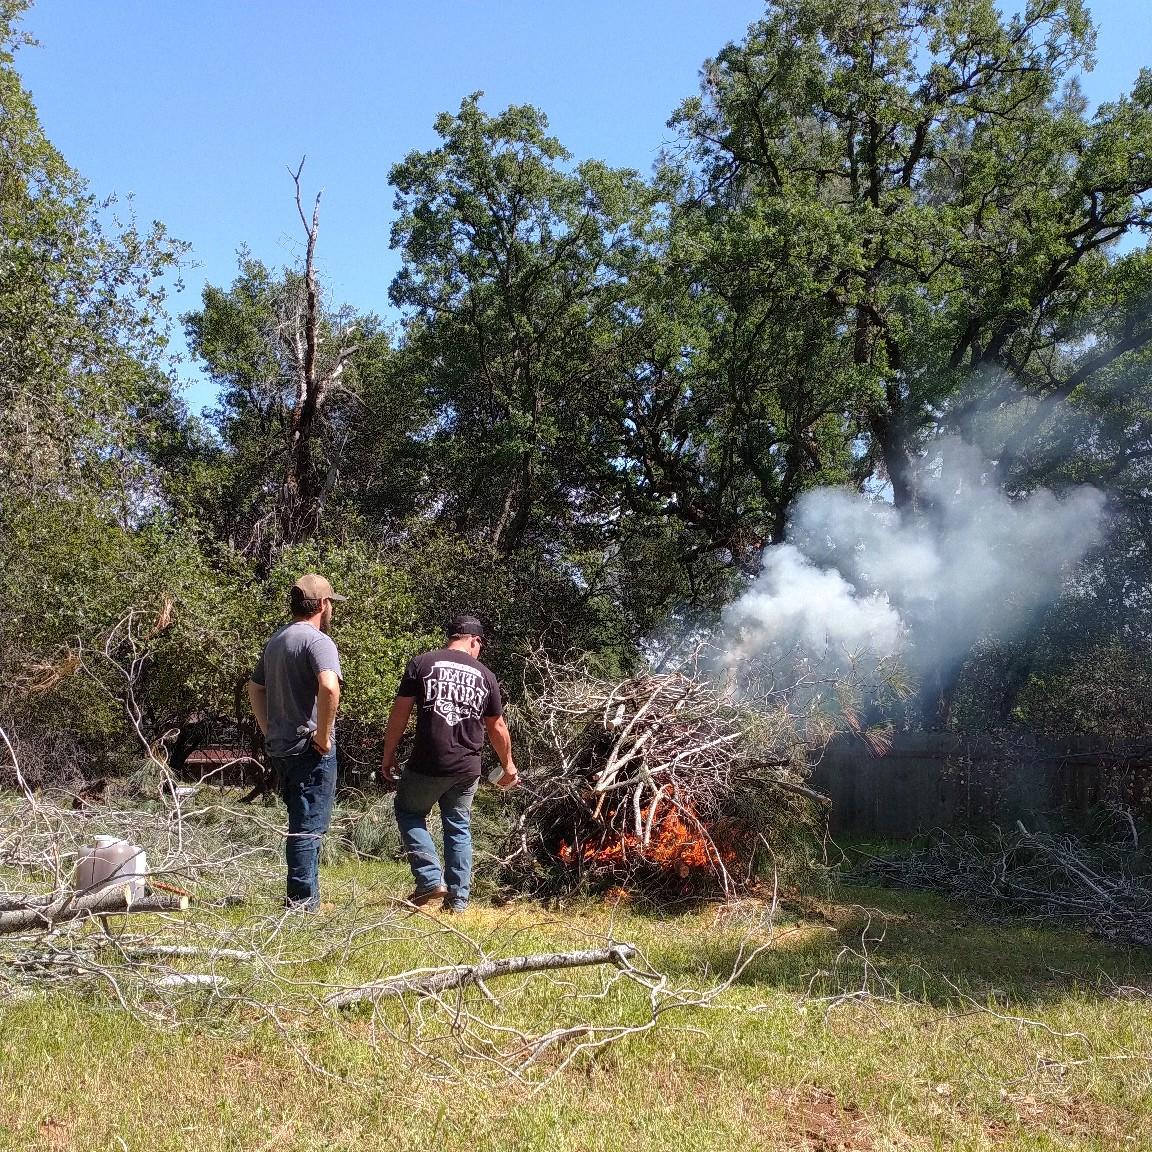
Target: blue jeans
(416, 795)
(308, 786)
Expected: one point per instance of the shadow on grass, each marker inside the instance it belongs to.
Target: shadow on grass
(918, 946)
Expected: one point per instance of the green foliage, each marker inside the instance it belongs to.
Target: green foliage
(72, 576)
(922, 181)
(519, 280)
(90, 597)
(86, 405)
(885, 221)
(513, 278)
(1102, 690)
(905, 211)
(230, 483)
(83, 390)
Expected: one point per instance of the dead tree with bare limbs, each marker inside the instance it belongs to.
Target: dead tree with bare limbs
(317, 370)
(284, 357)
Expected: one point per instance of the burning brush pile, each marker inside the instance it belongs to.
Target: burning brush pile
(665, 786)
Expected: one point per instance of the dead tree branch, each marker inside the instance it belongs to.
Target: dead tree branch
(107, 902)
(1059, 879)
(302, 333)
(663, 783)
(429, 982)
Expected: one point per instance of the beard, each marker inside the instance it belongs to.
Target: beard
(326, 618)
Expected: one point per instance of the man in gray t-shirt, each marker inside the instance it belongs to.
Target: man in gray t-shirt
(289, 668)
(295, 691)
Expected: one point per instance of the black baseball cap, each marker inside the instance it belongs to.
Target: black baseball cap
(465, 625)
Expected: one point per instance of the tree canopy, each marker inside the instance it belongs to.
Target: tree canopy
(879, 224)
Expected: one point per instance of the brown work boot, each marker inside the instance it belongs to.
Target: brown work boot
(422, 897)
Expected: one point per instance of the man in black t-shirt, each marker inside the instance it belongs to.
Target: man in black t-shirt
(457, 701)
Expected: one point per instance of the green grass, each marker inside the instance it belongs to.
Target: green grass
(936, 1056)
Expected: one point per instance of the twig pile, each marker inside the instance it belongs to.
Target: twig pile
(371, 969)
(665, 784)
(1104, 889)
(212, 850)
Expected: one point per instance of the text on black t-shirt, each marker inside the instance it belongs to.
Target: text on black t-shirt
(453, 693)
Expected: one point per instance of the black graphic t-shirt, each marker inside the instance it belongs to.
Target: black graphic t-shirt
(453, 694)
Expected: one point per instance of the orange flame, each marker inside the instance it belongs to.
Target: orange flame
(677, 845)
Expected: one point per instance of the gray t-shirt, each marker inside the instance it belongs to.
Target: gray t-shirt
(289, 668)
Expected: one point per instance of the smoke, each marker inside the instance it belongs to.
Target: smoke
(795, 604)
(859, 577)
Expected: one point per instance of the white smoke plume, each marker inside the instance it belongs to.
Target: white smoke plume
(858, 577)
(795, 604)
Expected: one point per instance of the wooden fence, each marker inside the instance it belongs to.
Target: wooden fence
(953, 781)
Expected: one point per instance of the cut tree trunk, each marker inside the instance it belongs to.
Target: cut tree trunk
(38, 915)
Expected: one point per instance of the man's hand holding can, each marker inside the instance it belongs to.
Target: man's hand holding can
(504, 777)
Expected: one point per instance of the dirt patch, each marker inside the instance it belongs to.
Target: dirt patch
(55, 1135)
(820, 1123)
(1078, 1118)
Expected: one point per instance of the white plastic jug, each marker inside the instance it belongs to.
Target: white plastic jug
(112, 861)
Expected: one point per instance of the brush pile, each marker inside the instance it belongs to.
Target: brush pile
(1103, 888)
(665, 785)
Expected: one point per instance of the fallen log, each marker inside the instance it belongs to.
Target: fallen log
(429, 981)
(17, 902)
(39, 916)
(190, 950)
(191, 980)
(20, 901)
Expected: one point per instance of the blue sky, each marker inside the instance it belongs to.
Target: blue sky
(198, 107)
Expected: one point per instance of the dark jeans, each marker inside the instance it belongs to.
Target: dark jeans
(416, 795)
(308, 786)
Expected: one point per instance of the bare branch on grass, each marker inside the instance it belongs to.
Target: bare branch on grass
(1057, 879)
(266, 967)
(431, 982)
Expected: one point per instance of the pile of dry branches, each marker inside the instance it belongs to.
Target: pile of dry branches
(1104, 889)
(665, 784)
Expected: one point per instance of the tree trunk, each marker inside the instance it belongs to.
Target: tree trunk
(937, 693)
(897, 458)
(302, 488)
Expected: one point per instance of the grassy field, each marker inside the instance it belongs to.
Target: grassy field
(872, 1021)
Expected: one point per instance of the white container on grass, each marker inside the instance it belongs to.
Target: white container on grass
(112, 862)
